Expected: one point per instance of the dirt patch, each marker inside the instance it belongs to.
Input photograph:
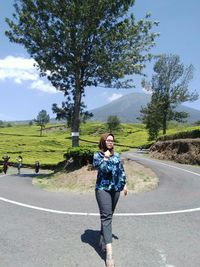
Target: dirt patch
(139, 179)
(185, 151)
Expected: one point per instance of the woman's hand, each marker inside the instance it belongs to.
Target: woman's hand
(125, 190)
(107, 154)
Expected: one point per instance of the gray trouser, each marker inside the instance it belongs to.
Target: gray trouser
(107, 201)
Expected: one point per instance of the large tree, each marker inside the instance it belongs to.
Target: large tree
(79, 43)
(113, 123)
(169, 87)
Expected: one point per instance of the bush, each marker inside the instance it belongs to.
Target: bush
(181, 135)
(80, 156)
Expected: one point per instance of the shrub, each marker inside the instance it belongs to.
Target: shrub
(80, 156)
(181, 135)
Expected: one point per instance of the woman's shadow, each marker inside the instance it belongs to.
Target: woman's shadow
(92, 237)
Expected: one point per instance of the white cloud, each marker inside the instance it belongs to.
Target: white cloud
(19, 70)
(11, 62)
(114, 97)
(39, 84)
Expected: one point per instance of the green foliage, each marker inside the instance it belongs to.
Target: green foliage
(55, 141)
(81, 155)
(197, 122)
(101, 44)
(169, 87)
(66, 112)
(50, 148)
(20, 139)
(129, 135)
(42, 119)
(150, 119)
(113, 123)
(181, 135)
(93, 128)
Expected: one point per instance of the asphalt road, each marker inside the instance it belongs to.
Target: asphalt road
(160, 228)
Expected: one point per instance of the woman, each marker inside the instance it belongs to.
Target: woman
(111, 179)
(5, 163)
(37, 166)
(19, 159)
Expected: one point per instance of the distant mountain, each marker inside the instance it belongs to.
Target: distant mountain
(127, 108)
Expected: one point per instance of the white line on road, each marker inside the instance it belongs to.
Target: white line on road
(116, 214)
(165, 164)
(48, 210)
(97, 214)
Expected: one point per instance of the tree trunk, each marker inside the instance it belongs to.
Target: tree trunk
(165, 124)
(76, 113)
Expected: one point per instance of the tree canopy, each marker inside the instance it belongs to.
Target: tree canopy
(79, 43)
(169, 87)
(42, 119)
(113, 123)
(65, 112)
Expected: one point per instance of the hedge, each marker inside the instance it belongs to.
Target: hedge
(80, 155)
(180, 135)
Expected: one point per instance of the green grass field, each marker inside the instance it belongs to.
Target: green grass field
(49, 149)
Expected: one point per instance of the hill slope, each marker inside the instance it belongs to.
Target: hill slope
(127, 108)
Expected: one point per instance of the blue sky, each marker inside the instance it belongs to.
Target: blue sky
(23, 93)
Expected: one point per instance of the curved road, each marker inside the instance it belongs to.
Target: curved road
(155, 229)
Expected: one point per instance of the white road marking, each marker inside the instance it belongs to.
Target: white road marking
(48, 210)
(97, 214)
(168, 165)
(116, 214)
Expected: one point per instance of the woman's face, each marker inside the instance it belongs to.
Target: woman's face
(109, 142)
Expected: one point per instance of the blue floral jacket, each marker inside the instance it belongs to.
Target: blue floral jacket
(111, 173)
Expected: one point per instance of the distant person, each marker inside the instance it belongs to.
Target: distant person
(37, 166)
(5, 163)
(111, 180)
(19, 166)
